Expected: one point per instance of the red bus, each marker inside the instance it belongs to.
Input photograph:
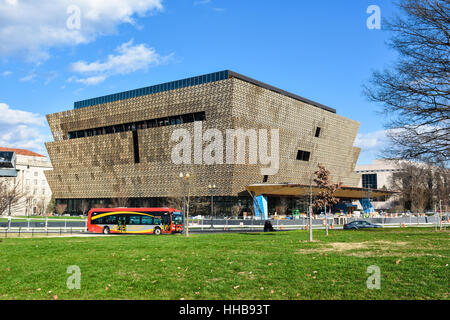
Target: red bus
(135, 220)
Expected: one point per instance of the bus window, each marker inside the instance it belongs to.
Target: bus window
(97, 221)
(177, 218)
(134, 219)
(147, 220)
(112, 219)
(121, 219)
(157, 220)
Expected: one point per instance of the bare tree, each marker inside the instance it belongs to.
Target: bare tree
(84, 207)
(51, 205)
(174, 200)
(40, 206)
(420, 185)
(283, 206)
(61, 208)
(236, 210)
(10, 194)
(325, 197)
(415, 92)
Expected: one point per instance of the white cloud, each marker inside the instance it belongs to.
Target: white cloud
(89, 80)
(32, 27)
(23, 129)
(6, 73)
(13, 117)
(129, 58)
(372, 144)
(372, 140)
(28, 77)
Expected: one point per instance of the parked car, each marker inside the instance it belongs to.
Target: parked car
(360, 224)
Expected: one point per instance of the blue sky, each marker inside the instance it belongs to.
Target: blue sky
(321, 50)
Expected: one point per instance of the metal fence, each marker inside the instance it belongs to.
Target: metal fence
(41, 226)
(303, 223)
(32, 227)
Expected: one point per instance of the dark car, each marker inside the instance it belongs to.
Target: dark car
(355, 225)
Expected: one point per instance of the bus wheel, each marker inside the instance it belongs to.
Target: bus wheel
(106, 230)
(157, 231)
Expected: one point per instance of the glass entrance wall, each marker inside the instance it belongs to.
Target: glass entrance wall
(223, 205)
(286, 205)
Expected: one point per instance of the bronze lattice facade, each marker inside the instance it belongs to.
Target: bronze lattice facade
(93, 159)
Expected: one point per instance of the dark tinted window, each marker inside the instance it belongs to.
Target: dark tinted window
(369, 181)
(317, 132)
(303, 155)
(118, 128)
(111, 219)
(157, 220)
(132, 126)
(129, 126)
(187, 118)
(146, 220)
(199, 116)
(134, 219)
(141, 125)
(109, 129)
(151, 123)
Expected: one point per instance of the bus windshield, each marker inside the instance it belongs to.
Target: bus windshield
(177, 218)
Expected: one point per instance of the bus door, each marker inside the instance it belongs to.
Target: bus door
(166, 222)
(122, 223)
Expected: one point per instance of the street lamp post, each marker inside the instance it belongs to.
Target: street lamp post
(212, 191)
(185, 181)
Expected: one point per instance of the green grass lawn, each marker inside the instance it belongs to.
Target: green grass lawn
(283, 265)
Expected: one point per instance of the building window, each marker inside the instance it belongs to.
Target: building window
(369, 181)
(317, 132)
(136, 146)
(303, 155)
(152, 123)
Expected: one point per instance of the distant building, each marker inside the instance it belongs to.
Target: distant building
(31, 181)
(8, 164)
(377, 175)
